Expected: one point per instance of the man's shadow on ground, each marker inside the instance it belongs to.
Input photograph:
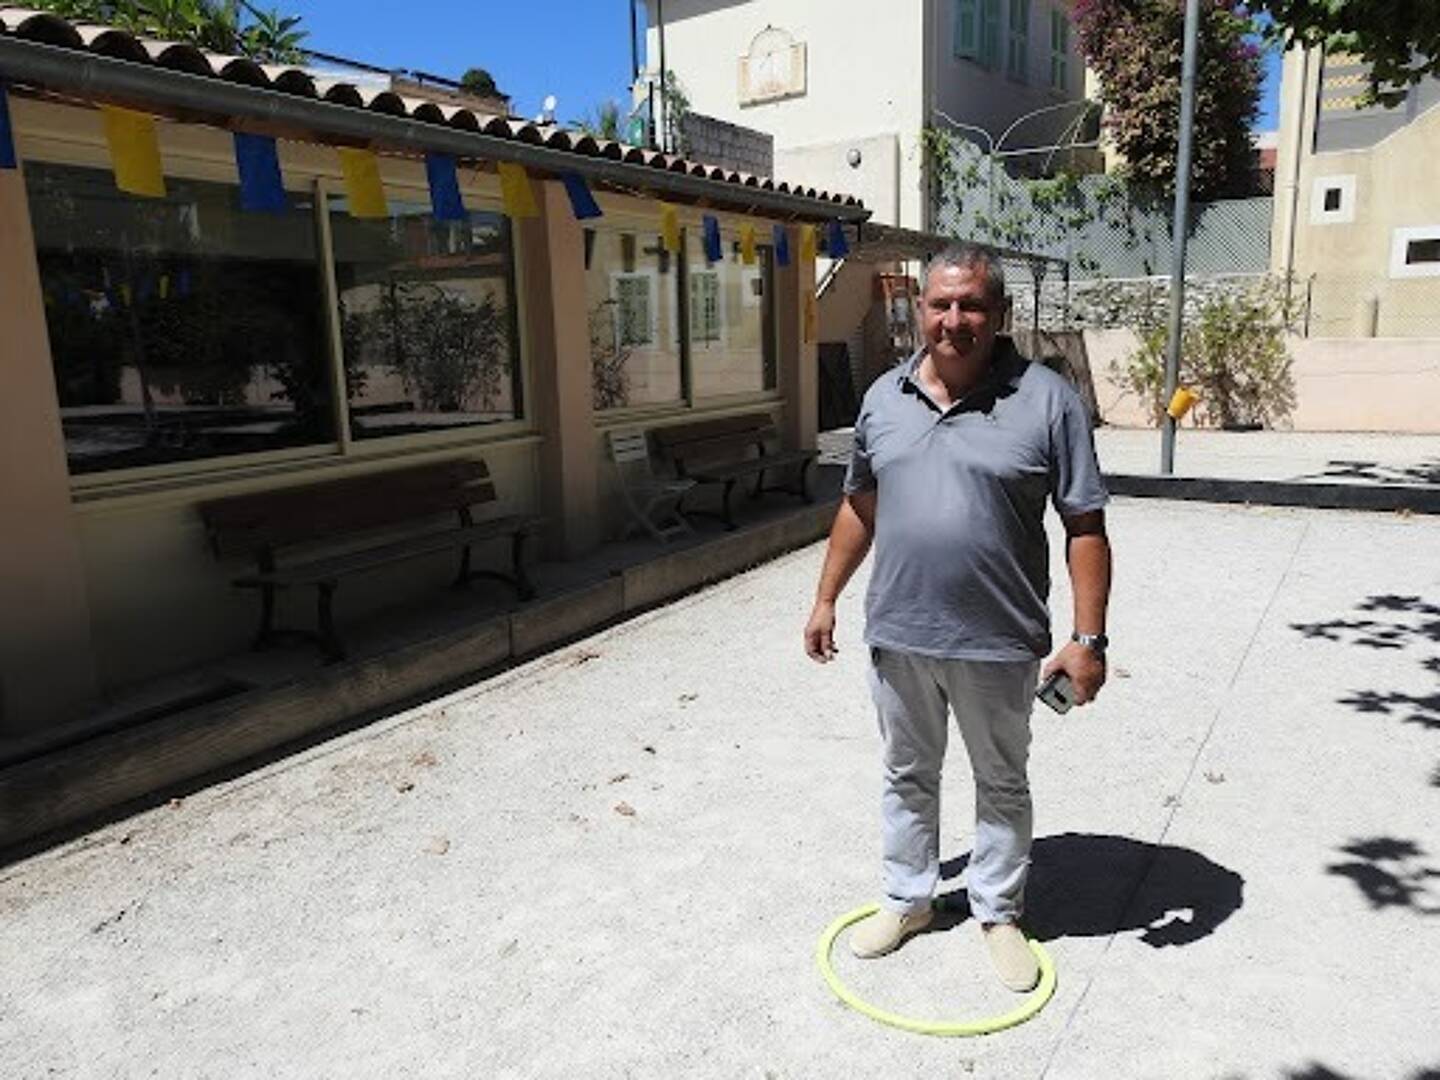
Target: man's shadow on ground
(1084, 885)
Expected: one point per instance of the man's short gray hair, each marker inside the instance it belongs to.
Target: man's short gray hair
(968, 256)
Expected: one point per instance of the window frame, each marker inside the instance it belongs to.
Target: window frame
(623, 217)
(59, 134)
(1400, 241)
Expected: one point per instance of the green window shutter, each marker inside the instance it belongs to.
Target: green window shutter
(1059, 49)
(990, 32)
(704, 306)
(966, 31)
(633, 296)
(1018, 56)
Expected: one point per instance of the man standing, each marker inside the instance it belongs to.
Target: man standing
(956, 452)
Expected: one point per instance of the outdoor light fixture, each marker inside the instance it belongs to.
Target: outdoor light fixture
(853, 157)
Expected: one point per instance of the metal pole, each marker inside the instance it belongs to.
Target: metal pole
(1179, 231)
(664, 89)
(634, 49)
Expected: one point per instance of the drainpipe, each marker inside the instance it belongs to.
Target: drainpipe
(1292, 200)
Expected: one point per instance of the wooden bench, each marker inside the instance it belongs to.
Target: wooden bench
(729, 450)
(306, 523)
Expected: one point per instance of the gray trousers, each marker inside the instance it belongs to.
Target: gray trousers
(991, 700)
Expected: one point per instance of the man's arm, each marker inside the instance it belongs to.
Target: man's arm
(849, 542)
(1087, 551)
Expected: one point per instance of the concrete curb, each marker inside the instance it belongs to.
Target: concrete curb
(1386, 498)
(125, 771)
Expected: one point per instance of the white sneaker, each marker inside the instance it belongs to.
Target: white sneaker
(883, 932)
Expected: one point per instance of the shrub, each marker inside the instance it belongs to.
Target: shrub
(1233, 356)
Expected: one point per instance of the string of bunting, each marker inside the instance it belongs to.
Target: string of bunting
(135, 160)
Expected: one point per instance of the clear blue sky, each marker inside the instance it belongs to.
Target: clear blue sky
(577, 50)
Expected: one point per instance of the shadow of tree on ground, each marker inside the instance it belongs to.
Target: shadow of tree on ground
(1397, 622)
(1391, 873)
(1086, 885)
(1316, 1071)
(1425, 472)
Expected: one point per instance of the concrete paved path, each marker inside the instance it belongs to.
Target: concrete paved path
(1367, 458)
(614, 862)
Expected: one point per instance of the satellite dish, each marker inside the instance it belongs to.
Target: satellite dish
(549, 103)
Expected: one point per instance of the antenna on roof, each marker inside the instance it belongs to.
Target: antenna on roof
(547, 110)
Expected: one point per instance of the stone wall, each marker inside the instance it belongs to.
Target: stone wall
(718, 142)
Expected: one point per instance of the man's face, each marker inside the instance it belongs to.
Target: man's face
(957, 315)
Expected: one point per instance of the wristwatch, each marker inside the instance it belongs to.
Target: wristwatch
(1096, 643)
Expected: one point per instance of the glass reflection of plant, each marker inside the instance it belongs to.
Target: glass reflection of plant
(134, 284)
(610, 383)
(447, 348)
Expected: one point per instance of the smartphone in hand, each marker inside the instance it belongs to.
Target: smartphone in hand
(1058, 692)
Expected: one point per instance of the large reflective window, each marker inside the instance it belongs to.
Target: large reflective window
(428, 320)
(731, 329)
(631, 296)
(180, 328)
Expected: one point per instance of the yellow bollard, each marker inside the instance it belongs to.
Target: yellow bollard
(1180, 404)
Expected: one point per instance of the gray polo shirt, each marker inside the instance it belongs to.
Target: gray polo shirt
(961, 560)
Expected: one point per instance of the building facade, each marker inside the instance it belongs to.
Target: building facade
(163, 351)
(1357, 208)
(847, 88)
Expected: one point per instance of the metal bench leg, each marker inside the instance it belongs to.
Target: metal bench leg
(523, 584)
(725, 505)
(462, 576)
(329, 640)
(266, 634)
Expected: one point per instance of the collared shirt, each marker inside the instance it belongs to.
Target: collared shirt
(961, 559)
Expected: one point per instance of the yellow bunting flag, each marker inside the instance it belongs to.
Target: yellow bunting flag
(363, 189)
(164, 286)
(812, 318)
(516, 191)
(125, 294)
(807, 243)
(134, 151)
(747, 244)
(670, 228)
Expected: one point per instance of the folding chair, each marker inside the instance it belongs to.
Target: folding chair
(654, 504)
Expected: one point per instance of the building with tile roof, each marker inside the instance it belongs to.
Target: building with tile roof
(162, 351)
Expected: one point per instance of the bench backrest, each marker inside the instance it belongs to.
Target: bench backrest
(731, 437)
(333, 508)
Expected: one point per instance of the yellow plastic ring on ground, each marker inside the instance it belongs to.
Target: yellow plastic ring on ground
(1036, 1001)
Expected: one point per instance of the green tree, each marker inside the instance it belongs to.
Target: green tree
(603, 123)
(1136, 47)
(1399, 39)
(479, 81)
(227, 26)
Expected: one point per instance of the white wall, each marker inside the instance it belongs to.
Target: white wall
(1383, 384)
(989, 98)
(863, 88)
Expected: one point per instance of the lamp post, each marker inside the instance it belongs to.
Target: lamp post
(1179, 231)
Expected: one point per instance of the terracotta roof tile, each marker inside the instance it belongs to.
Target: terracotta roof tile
(116, 43)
